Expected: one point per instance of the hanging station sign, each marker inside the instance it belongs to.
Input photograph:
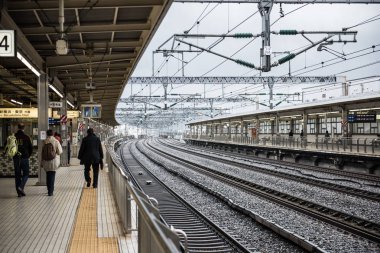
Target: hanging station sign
(26, 113)
(18, 113)
(7, 43)
(361, 118)
(71, 114)
(55, 104)
(91, 110)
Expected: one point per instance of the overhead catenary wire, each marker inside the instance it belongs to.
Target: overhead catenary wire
(221, 63)
(372, 19)
(253, 86)
(323, 65)
(216, 42)
(309, 66)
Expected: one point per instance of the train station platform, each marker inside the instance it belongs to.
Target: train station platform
(75, 219)
(351, 155)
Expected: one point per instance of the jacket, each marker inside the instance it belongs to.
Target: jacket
(25, 146)
(90, 150)
(52, 165)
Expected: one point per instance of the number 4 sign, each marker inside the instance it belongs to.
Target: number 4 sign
(7, 43)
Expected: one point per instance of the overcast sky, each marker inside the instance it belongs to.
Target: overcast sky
(225, 18)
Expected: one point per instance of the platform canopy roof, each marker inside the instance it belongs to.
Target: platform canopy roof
(106, 38)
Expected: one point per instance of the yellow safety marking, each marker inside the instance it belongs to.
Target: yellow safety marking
(85, 237)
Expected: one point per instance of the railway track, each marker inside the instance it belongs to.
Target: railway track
(336, 218)
(202, 234)
(330, 186)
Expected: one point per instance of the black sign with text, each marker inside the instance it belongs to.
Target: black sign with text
(361, 118)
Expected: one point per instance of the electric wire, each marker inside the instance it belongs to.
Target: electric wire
(374, 18)
(334, 63)
(214, 43)
(364, 22)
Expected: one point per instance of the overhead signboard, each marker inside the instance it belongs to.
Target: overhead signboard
(53, 121)
(9, 113)
(72, 114)
(91, 110)
(55, 104)
(7, 43)
(18, 113)
(361, 118)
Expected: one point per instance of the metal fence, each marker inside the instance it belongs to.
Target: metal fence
(352, 145)
(153, 235)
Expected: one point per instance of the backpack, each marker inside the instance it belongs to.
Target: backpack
(48, 152)
(11, 149)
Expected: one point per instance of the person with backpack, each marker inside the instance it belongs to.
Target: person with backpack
(21, 159)
(50, 159)
(91, 154)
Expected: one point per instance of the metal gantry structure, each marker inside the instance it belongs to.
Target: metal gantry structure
(138, 108)
(265, 8)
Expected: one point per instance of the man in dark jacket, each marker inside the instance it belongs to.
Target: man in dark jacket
(91, 154)
(21, 160)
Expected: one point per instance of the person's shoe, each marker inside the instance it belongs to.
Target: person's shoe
(88, 184)
(19, 195)
(21, 191)
(50, 194)
(95, 186)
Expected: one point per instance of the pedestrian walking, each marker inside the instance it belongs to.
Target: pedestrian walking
(50, 159)
(68, 150)
(327, 136)
(21, 159)
(301, 138)
(91, 155)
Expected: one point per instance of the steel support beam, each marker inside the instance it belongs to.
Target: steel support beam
(43, 121)
(230, 79)
(81, 4)
(184, 110)
(64, 155)
(265, 7)
(64, 61)
(47, 30)
(84, 74)
(179, 100)
(285, 1)
(81, 67)
(94, 45)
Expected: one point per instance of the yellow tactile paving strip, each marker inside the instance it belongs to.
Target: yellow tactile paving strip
(85, 237)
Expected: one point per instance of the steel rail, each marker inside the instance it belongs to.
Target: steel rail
(330, 186)
(350, 223)
(203, 235)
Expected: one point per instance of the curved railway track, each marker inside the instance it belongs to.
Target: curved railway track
(330, 186)
(336, 218)
(202, 234)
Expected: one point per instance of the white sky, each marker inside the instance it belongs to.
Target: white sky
(224, 17)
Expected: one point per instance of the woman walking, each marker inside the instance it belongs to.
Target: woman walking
(50, 159)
